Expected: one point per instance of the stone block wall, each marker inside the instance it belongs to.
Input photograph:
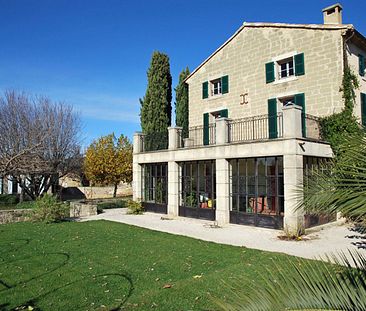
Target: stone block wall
(243, 59)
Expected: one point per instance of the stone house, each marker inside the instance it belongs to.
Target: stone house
(254, 133)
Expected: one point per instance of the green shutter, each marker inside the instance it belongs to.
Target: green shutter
(206, 132)
(205, 90)
(272, 118)
(299, 64)
(270, 72)
(225, 84)
(300, 101)
(224, 113)
(361, 64)
(363, 109)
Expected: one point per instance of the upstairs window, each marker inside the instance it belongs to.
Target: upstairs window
(216, 87)
(286, 68)
(361, 65)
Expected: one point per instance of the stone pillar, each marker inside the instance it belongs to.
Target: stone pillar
(222, 131)
(222, 192)
(138, 145)
(293, 181)
(137, 181)
(175, 134)
(292, 123)
(173, 188)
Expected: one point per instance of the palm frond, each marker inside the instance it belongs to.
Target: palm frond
(307, 285)
(340, 184)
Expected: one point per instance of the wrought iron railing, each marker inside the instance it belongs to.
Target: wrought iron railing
(312, 127)
(200, 136)
(255, 128)
(155, 141)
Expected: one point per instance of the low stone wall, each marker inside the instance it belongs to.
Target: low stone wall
(80, 209)
(105, 192)
(16, 215)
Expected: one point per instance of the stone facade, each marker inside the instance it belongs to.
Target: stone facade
(244, 57)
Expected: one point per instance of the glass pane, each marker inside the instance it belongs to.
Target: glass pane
(250, 167)
(271, 166)
(234, 203)
(251, 205)
(242, 204)
(280, 165)
(271, 186)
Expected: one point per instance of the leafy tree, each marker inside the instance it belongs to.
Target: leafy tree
(181, 103)
(108, 161)
(156, 107)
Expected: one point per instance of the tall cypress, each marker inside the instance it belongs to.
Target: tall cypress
(181, 103)
(156, 107)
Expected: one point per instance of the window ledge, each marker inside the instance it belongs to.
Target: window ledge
(213, 97)
(279, 81)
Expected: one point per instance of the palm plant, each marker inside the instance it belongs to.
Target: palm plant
(340, 185)
(339, 283)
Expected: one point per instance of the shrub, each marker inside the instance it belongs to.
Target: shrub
(135, 207)
(48, 209)
(26, 205)
(111, 204)
(8, 199)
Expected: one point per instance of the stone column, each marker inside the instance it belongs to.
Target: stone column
(292, 123)
(222, 131)
(137, 181)
(175, 134)
(293, 181)
(222, 192)
(173, 188)
(138, 145)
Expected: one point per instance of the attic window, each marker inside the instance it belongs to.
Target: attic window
(216, 87)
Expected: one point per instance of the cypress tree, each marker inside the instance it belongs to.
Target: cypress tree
(156, 107)
(181, 103)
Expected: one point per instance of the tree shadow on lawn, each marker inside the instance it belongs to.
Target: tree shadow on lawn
(35, 302)
(15, 265)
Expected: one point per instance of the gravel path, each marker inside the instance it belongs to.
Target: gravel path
(318, 243)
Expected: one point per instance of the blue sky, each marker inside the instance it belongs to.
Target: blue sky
(94, 54)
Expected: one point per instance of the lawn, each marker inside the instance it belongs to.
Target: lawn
(103, 265)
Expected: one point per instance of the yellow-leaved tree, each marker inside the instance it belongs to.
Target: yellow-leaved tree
(108, 161)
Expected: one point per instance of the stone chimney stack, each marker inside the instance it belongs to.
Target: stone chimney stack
(333, 14)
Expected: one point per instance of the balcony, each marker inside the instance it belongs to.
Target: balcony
(290, 123)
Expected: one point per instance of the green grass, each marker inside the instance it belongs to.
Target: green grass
(85, 266)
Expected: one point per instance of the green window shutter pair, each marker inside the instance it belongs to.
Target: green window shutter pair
(224, 87)
(272, 118)
(225, 84)
(361, 64)
(299, 68)
(205, 90)
(363, 109)
(270, 72)
(299, 64)
(300, 101)
(206, 131)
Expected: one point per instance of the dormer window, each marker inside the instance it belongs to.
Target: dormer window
(216, 87)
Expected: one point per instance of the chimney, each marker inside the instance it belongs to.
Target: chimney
(333, 14)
